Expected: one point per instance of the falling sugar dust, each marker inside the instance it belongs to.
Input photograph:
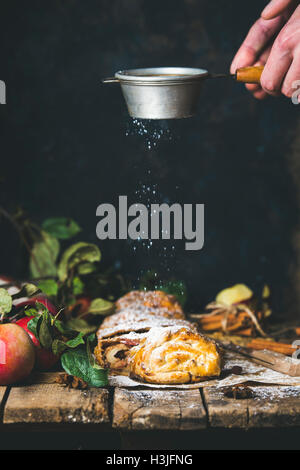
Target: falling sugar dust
(152, 131)
(158, 257)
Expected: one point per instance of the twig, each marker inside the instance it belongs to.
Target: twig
(21, 234)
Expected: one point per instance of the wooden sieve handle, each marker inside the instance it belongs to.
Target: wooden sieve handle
(249, 74)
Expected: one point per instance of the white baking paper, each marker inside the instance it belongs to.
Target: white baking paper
(251, 372)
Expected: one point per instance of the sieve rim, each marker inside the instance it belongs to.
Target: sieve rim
(161, 75)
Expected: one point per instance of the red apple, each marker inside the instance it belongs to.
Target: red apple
(17, 354)
(31, 301)
(45, 359)
(81, 305)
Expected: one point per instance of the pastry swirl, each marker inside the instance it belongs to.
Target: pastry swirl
(111, 353)
(174, 355)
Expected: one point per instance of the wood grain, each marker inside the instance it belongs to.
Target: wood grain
(158, 409)
(224, 412)
(274, 406)
(49, 403)
(2, 402)
(2, 393)
(270, 406)
(43, 378)
(53, 403)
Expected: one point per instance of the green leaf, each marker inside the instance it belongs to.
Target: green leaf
(34, 324)
(92, 338)
(30, 289)
(58, 346)
(41, 307)
(78, 286)
(44, 334)
(64, 329)
(100, 307)
(76, 254)
(43, 256)
(31, 312)
(48, 287)
(27, 290)
(61, 227)
(91, 357)
(73, 343)
(5, 302)
(79, 324)
(77, 363)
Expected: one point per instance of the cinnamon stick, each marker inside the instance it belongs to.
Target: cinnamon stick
(234, 323)
(283, 348)
(246, 332)
(219, 317)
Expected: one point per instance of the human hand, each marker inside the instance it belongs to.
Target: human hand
(281, 57)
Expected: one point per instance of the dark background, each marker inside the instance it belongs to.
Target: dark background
(64, 148)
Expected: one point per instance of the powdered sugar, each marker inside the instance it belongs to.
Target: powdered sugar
(158, 335)
(143, 325)
(275, 393)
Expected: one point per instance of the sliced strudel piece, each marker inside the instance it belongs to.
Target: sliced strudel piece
(112, 353)
(120, 332)
(174, 355)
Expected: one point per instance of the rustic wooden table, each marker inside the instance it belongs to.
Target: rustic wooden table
(46, 404)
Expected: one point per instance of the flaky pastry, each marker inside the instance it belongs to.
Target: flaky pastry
(154, 300)
(174, 355)
(142, 324)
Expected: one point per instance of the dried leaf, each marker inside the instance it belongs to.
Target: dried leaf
(71, 381)
(238, 392)
(76, 254)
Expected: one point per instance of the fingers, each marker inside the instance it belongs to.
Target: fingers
(264, 56)
(253, 87)
(276, 7)
(274, 72)
(292, 78)
(256, 40)
(256, 89)
(281, 56)
(260, 94)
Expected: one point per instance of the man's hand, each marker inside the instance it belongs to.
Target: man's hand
(273, 41)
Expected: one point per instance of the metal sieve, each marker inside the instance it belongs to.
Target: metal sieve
(168, 92)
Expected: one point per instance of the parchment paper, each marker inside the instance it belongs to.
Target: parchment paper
(251, 372)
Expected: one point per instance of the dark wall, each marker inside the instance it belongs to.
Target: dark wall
(64, 148)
